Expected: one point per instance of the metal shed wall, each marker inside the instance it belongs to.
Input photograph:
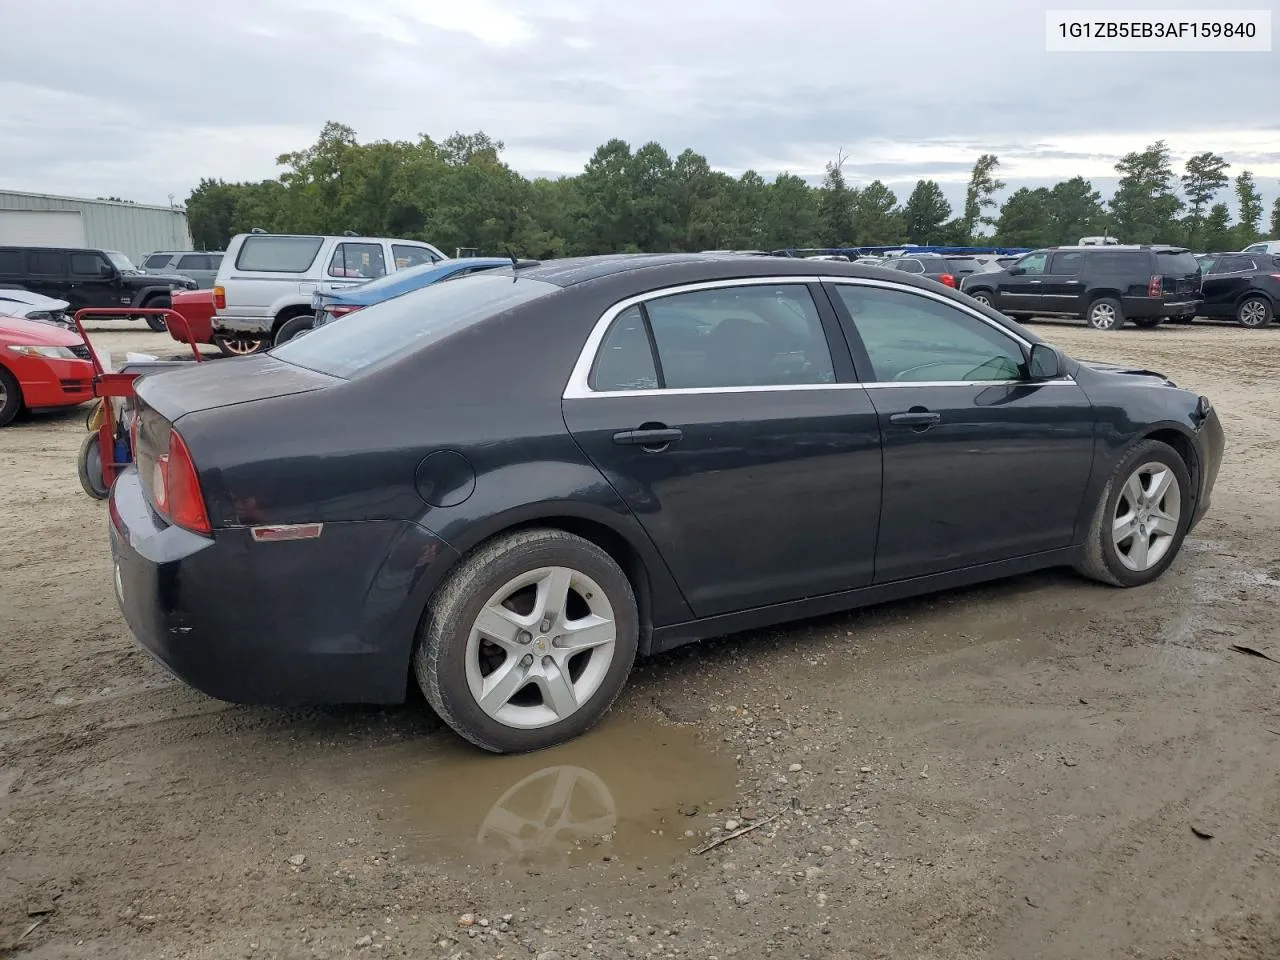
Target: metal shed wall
(135, 229)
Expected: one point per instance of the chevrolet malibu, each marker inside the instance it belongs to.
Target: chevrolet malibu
(507, 487)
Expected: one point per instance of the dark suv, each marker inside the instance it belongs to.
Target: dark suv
(1104, 286)
(1244, 287)
(88, 278)
(948, 271)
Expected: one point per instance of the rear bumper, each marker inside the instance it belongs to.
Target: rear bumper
(1144, 307)
(253, 327)
(330, 620)
(53, 383)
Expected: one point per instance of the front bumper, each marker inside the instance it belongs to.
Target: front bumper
(329, 620)
(1210, 443)
(53, 383)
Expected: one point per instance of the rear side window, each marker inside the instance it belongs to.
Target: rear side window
(625, 360)
(1177, 264)
(156, 261)
(397, 327)
(46, 264)
(267, 254)
(1120, 261)
(10, 263)
(1067, 264)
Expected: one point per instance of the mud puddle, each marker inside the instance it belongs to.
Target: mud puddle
(630, 790)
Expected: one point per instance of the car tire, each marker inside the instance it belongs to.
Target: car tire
(155, 322)
(983, 297)
(451, 656)
(89, 466)
(10, 397)
(1254, 312)
(1162, 522)
(1105, 314)
(238, 346)
(293, 327)
(1147, 323)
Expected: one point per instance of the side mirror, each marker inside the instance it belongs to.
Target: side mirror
(1015, 271)
(1044, 363)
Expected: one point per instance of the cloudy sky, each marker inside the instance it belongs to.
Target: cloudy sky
(141, 99)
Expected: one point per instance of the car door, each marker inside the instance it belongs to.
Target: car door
(94, 282)
(980, 463)
(47, 274)
(723, 417)
(1062, 288)
(1229, 277)
(1023, 290)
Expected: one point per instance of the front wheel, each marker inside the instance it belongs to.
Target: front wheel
(89, 467)
(1141, 518)
(294, 327)
(528, 642)
(155, 321)
(1106, 314)
(238, 346)
(10, 397)
(1254, 312)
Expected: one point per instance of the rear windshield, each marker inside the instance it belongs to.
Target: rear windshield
(1177, 264)
(361, 341)
(278, 254)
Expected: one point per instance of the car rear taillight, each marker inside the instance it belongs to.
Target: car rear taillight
(948, 280)
(1155, 287)
(341, 310)
(175, 486)
(219, 298)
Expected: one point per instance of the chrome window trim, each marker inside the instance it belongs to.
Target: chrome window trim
(579, 388)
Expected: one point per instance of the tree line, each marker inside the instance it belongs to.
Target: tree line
(459, 193)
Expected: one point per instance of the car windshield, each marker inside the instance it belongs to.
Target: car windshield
(122, 263)
(380, 334)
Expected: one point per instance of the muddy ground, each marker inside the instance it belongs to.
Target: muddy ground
(1039, 768)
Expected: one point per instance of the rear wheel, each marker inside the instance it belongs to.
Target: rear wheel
(1105, 313)
(234, 346)
(89, 464)
(293, 327)
(10, 397)
(1141, 518)
(982, 296)
(529, 641)
(1254, 312)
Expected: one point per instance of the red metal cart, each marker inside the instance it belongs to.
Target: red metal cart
(110, 419)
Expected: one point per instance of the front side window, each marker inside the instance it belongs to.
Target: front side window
(1033, 263)
(912, 339)
(157, 261)
(411, 256)
(194, 261)
(358, 261)
(89, 265)
(1235, 265)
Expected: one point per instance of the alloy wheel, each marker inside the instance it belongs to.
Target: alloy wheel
(540, 647)
(239, 346)
(983, 299)
(1147, 515)
(1253, 313)
(1102, 316)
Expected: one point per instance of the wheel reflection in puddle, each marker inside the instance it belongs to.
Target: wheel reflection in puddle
(627, 789)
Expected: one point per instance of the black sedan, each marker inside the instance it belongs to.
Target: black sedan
(1244, 287)
(508, 486)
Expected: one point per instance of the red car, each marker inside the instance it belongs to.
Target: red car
(41, 365)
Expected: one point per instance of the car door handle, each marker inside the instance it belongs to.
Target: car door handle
(648, 436)
(916, 418)
(1035, 281)
(1074, 282)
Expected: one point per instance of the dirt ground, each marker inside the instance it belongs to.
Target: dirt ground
(1039, 768)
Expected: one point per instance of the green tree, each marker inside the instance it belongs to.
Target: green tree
(791, 214)
(1217, 229)
(1275, 218)
(1144, 207)
(1026, 219)
(836, 206)
(877, 218)
(1205, 175)
(1249, 202)
(1076, 211)
(925, 213)
(211, 213)
(979, 198)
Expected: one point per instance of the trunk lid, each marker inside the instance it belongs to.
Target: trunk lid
(224, 383)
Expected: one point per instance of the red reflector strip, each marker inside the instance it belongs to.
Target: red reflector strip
(286, 531)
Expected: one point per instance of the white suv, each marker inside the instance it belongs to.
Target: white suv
(1265, 246)
(267, 279)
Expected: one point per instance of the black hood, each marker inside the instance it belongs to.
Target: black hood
(1124, 370)
(153, 279)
